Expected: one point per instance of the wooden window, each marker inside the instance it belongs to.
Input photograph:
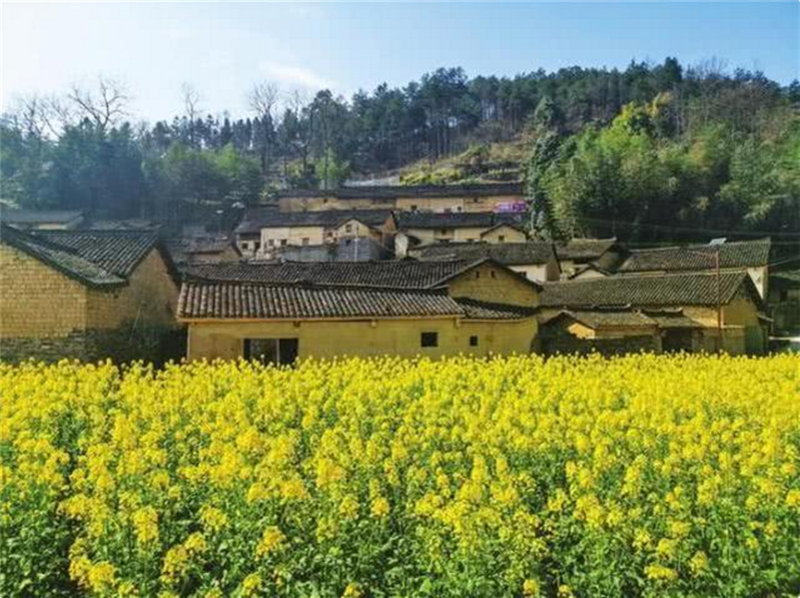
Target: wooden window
(501, 238)
(283, 242)
(429, 339)
(492, 274)
(478, 274)
(279, 351)
(305, 240)
(348, 228)
(473, 341)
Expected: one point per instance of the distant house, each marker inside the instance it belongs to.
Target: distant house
(576, 255)
(265, 230)
(684, 307)
(83, 294)
(187, 251)
(536, 260)
(423, 228)
(428, 198)
(42, 219)
(357, 249)
(277, 313)
(751, 256)
(784, 301)
(588, 271)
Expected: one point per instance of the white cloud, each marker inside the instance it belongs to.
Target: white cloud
(296, 75)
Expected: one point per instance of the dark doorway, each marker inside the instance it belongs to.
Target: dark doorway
(676, 340)
(280, 351)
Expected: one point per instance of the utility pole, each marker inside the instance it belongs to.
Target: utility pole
(719, 302)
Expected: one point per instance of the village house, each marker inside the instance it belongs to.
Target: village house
(423, 228)
(43, 219)
(613, 314)
(265, 230)
(358, 249)
(190, 251)
(750, 256)
(482, 197)
(277, 313)
(82, 294)
(536, 260)
(589, 258)
(783, 299)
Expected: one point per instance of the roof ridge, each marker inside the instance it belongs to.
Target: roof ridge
(308, 284)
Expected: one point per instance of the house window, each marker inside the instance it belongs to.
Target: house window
(280, 351)
(501, 238)
(473, 341)
(257, 245)
(305, 240)
(477, 274)
(492, 274)
(458, 209)
(443, 231)
(271, 243)
(348, 228)
(283, 242)
(413, 207)
(429, 339)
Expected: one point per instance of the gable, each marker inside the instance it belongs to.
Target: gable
(493, 282)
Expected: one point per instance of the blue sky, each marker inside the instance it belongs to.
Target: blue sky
(222, 49)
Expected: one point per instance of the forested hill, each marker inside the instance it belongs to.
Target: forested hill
(602, 150)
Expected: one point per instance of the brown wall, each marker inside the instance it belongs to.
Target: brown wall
(329, 338)
(495, 285)
(150, 297)
(36, 300)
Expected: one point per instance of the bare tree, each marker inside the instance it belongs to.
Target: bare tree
(104, 106)
(298, 100)
(263, 99)
(40, 116)
(191, 108)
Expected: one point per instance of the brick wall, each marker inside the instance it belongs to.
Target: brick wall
(36, 300)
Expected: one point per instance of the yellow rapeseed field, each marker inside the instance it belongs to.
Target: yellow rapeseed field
(637, 476)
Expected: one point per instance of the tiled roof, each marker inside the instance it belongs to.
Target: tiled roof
(36, 216)
(607, 319)
(596, 319)
(268, 217)
(411, 220)
(391, 274)
(584, 249)
(393, 192)
(64, 260)
(116, 251)
(663, 290)
(510, 254)
(231, 300)
(738, 254)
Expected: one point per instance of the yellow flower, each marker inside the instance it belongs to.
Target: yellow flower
(102, 577)
(380, 507)
(352, 591)
(145, 522)
(251, 585)
(530, 588)
(271, 540)
(661, 573)
(698, 563)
